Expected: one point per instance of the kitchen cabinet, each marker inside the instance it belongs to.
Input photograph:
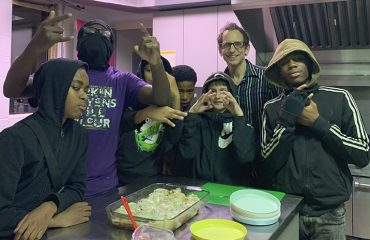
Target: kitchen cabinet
(361, 207)
(358, 206)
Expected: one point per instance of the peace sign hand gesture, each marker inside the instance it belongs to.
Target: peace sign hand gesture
(148, 49)
(48, 33)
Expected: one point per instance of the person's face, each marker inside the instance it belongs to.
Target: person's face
(76, 100)
(233, 49)
(294, 70)
(148, 77)
(217, 97)
(186, 90)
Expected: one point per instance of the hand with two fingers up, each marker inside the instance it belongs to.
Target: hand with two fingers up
(149, 48)
(48, 33)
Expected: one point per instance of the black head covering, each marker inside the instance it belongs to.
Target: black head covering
(51, 82)
(94, 48)
(143, 63)
(105, 26)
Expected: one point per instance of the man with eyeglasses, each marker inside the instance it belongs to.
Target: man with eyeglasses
(110, 89)
(253, 90)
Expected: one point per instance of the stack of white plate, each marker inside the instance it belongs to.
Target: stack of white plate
(254, 207)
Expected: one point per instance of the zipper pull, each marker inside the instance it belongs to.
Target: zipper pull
(61, 133)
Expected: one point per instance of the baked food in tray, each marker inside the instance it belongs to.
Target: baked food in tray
(160, 205)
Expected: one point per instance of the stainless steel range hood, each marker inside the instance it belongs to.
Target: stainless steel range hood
(337, 31)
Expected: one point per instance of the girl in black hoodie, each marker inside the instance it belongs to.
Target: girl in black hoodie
(29, 199)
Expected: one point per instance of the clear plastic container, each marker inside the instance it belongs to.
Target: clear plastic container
(146, 232)
(171, 223)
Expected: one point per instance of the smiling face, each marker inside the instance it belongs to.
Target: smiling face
(217, 97)
(233, 50)
(76, 100)
(294, 69)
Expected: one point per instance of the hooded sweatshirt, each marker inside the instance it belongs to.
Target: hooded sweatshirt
(24, 175)
(217, 146)
(312, 161)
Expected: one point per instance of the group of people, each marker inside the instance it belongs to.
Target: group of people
(97, 128)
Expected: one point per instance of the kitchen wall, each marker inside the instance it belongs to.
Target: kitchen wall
(191, 33)
(126, 58)
(362, 98)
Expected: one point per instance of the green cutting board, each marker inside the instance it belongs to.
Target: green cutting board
(219, 194)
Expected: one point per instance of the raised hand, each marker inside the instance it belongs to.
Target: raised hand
(231, 104)
(48, 33)
(77, 213)
(35, 223)
(148, 49)
(309, 113)
(203, 103)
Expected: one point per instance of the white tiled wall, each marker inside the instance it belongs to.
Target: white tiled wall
(5, 55)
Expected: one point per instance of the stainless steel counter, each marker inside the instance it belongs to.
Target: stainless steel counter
(358, 206)
(360, 172)
(99, 228)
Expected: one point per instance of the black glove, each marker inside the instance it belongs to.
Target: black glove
(292, 107)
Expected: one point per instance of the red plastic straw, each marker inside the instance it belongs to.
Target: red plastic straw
(128, 210)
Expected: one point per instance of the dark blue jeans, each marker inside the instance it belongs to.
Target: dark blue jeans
(329, 226)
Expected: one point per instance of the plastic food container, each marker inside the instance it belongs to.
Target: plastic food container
(146, 232)
(172, 222)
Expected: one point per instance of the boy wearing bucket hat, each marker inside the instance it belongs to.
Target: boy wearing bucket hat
(310, 134)
(216, 142)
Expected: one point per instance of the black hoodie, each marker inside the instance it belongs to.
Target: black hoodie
(312, 161)
(24, 176)
(216, 146)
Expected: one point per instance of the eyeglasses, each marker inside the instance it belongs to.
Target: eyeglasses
(93, 30)
(237, 45)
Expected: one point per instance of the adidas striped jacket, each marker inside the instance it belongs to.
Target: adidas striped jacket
(313, 161)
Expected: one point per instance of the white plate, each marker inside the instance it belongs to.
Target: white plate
(254, 221)
(254, 202)
(253, 215)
